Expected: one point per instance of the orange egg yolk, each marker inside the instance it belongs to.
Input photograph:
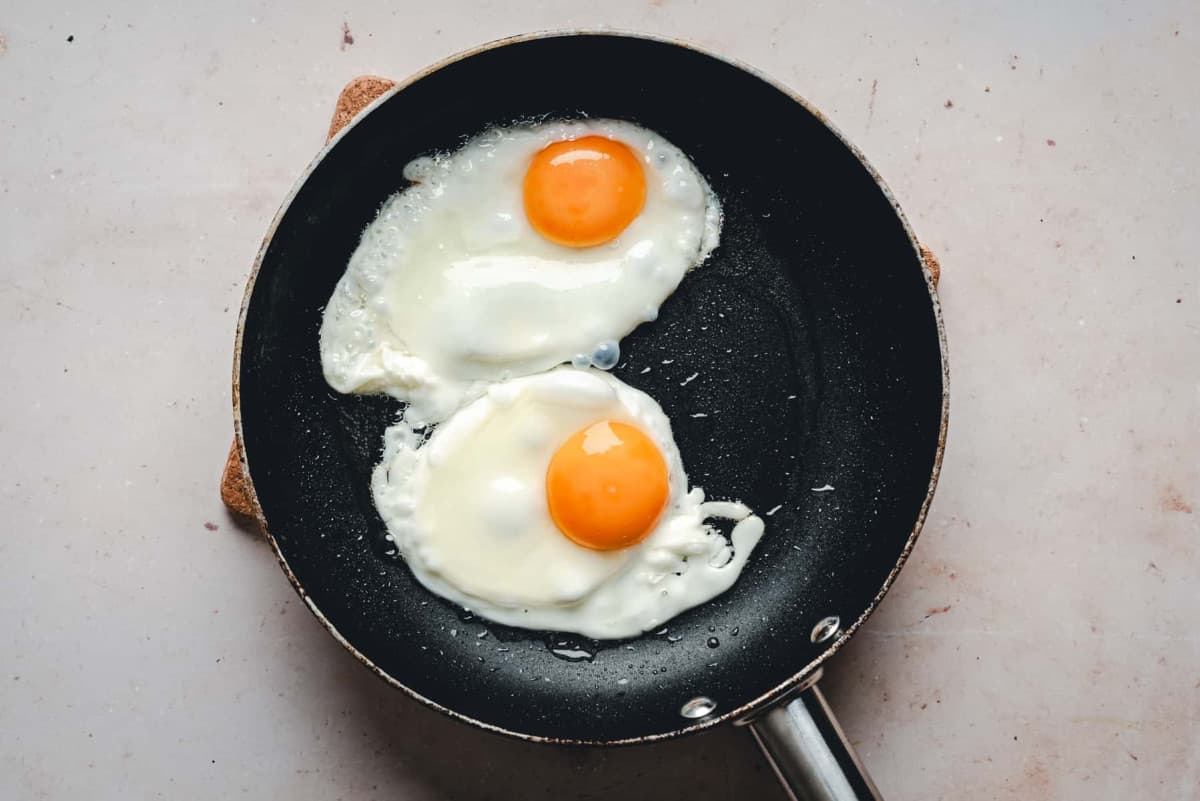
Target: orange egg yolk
(607, 486)
(584, 192)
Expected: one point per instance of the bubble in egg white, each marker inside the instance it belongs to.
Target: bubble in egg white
(606, 355)
(419, 168)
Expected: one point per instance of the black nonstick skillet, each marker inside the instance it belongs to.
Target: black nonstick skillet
(815, 332)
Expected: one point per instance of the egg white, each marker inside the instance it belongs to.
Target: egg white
(451, 287)
(467, 509)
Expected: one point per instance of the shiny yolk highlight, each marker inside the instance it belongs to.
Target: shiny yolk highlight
(584, 192)
(607, 486)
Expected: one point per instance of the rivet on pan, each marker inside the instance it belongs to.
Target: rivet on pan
(698, 707)
(826, 629)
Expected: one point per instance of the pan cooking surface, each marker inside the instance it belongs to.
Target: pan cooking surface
(810, 328)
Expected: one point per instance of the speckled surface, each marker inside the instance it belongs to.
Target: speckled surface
(1038, 645)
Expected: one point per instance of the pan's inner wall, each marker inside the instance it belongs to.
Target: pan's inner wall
(810, 328)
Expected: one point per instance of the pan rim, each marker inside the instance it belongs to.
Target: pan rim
(738, 714)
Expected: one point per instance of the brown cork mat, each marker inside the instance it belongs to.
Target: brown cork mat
(357, 95)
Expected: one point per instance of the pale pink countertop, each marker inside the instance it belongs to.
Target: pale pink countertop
(1040, 644)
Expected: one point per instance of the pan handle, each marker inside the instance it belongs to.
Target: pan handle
(810, 752)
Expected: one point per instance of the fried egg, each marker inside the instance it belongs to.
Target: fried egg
(530, 246)
(559, 501)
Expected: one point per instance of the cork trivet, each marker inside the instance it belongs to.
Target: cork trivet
(234, 491)
(357, 95)
(931, 264)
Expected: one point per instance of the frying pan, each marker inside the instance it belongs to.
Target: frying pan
(820, 401)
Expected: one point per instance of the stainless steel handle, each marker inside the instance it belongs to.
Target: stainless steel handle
(810, 752)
